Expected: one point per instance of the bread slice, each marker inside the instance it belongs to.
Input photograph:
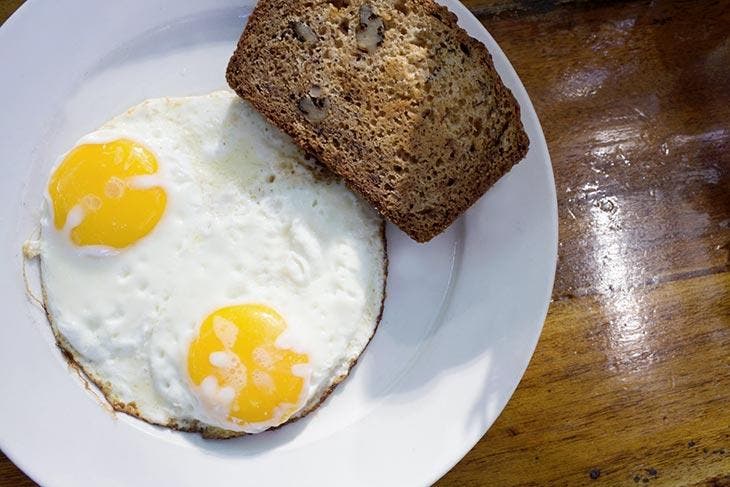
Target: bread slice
(391, 95)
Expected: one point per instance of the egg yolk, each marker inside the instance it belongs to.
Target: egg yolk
(237, 365)
(99, 181)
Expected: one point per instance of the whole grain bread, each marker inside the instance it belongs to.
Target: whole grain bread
(391, 95)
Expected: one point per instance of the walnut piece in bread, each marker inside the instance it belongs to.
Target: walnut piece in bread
(409, 111)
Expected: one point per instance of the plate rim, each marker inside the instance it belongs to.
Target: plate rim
(528, 111)
(519, 91)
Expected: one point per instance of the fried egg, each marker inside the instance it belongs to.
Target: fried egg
(202, 272)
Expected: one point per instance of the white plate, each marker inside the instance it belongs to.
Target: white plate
(462, 317)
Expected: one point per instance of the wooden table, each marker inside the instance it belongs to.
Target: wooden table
(630, 383)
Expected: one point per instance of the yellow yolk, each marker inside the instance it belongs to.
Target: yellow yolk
(98, 179)
(236, 350)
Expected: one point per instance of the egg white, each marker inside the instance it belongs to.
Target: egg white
(248, 220)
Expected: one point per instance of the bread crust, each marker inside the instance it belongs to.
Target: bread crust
(421, 127)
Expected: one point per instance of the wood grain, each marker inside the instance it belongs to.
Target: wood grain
(630, 383)
(640, 393)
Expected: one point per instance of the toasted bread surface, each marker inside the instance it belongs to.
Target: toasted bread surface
(392, 95)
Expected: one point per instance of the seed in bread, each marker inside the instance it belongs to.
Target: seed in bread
(389, 94)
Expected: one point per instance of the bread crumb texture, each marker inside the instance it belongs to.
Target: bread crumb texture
(391, 95)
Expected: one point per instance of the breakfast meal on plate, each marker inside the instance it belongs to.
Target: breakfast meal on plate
(391, 95)
(202, 272)
(206, 272)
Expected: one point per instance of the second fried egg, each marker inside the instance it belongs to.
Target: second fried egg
(202, 273)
